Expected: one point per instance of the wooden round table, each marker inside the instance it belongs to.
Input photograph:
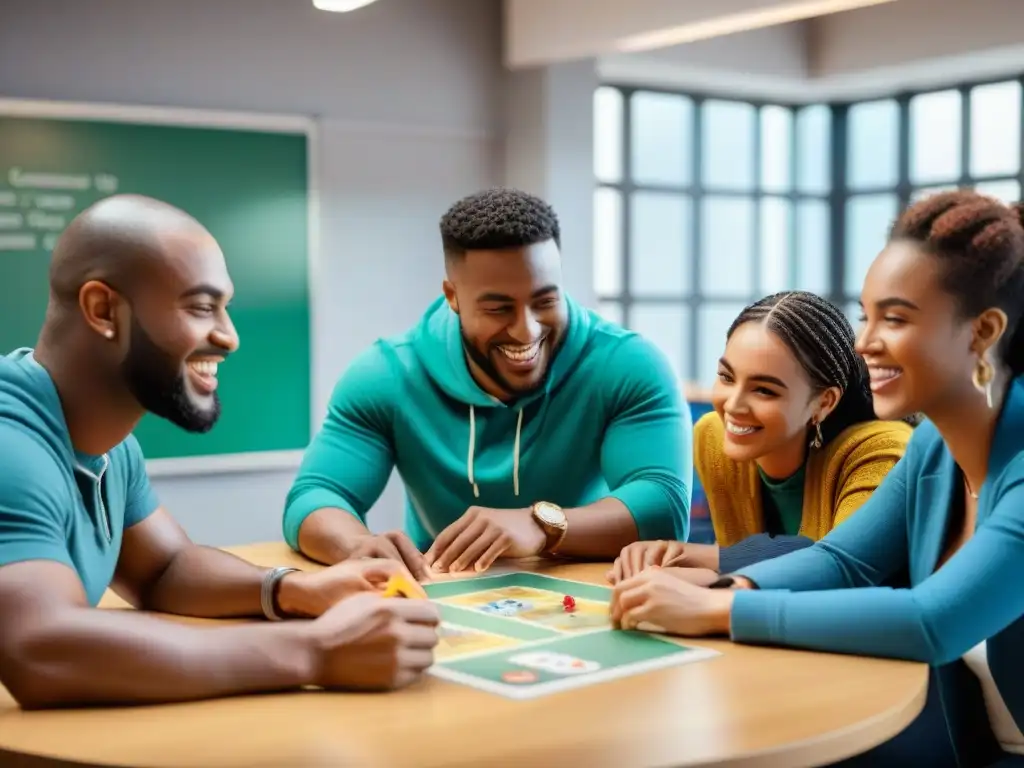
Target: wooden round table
(749, 706)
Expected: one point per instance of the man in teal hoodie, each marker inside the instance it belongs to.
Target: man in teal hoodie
(520, 423)
(137, 321)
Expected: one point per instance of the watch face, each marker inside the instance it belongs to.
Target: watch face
(549, 514)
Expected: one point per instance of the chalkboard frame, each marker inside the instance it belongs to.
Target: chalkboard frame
(213, 464)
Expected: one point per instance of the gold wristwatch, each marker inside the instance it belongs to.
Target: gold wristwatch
(551, 520)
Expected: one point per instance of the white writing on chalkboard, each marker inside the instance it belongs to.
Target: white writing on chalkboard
(17, 242)
(44, 202)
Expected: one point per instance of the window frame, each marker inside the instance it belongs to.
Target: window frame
(836, 198)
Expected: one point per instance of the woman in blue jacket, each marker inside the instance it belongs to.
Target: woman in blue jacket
(941, 335)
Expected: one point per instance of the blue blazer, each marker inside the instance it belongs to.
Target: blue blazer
(829, 596)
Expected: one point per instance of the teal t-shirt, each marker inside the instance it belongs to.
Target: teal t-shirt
(56, 503)
(786, 500)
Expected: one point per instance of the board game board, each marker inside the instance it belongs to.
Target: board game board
(512, 634)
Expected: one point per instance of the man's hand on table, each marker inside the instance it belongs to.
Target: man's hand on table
(393, 545)
(308, 594)
(371, 643)
(481, 536)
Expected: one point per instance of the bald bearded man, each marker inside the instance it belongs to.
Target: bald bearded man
(137, 321)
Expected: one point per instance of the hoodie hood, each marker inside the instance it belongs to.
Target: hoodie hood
(437, 343)
(29, 399)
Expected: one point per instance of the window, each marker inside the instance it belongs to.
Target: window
(704, 204)
(900, 150)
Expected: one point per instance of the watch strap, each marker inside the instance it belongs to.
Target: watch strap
(268, 591)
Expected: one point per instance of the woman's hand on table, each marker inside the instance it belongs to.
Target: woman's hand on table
(660, 601)
(640, 555)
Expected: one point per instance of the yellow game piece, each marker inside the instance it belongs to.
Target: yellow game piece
(399, 586)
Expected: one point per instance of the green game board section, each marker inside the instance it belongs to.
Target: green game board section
(498, 625)
(535, 580)
(609, 649)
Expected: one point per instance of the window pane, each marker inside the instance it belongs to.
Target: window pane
(668, 328)
(727, 238)
(872, 133)
(868, 218)
(610, 311)
(660, 257)
(920, 194)
(995, 129)
(853, 313)
(814, 149)
(776, 213)
(662, 138)
(728, 150)
(935, 137)
(608, 134)
(1007, 191)
(813, 255)
(776, 149)
(714, 320)
(607, 242)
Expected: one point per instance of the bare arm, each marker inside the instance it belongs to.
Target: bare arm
(55, 650)
(600, 529)
(161, 569)
(330, 534)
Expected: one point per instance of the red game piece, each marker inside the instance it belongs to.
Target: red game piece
(569, 603)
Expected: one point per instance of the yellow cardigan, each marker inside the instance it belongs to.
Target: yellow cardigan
(840, 477)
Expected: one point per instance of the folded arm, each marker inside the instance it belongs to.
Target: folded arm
(972, 597)
(646, 455)
(866, 550)
(347, 465)
(758, 548)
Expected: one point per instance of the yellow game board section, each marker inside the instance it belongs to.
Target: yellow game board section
(458, 642)
(539, 607)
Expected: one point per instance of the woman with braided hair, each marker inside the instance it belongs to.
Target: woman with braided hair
(941, 335)
(793, 446)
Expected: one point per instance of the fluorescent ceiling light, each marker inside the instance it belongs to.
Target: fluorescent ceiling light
(738, 22)
(340, 6)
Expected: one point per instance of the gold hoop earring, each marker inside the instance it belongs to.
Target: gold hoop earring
(982, 378)
(817, 441)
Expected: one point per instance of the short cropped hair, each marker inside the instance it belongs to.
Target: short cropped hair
(495, 219)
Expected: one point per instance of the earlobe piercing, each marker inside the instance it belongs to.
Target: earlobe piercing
(109, 333)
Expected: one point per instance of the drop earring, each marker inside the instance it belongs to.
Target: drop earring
(817, 441)
(982, 378)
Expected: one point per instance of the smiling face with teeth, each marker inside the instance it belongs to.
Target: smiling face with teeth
(765, 400)
(917, 347)
(512, 313)
(179, 333)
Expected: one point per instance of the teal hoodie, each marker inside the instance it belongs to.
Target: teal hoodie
(609, 421)
(57, 503)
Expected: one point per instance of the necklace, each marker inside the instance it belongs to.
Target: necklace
(971, 493)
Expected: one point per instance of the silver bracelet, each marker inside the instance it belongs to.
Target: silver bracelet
(270, 581)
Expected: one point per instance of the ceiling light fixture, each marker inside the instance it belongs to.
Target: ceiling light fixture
(739, 22)
(340, 6)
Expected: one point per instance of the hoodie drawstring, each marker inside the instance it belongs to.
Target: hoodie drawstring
(472, 450)
(472, 447)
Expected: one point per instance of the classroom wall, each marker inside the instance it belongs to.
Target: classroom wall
(409, 94)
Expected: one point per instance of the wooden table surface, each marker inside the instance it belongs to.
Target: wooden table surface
(749, 706)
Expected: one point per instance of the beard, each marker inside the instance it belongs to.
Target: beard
(157, 381)
(485, 364)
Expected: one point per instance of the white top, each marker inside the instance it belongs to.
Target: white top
(1003, 726)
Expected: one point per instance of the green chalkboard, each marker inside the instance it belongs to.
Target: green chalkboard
(249, 187)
